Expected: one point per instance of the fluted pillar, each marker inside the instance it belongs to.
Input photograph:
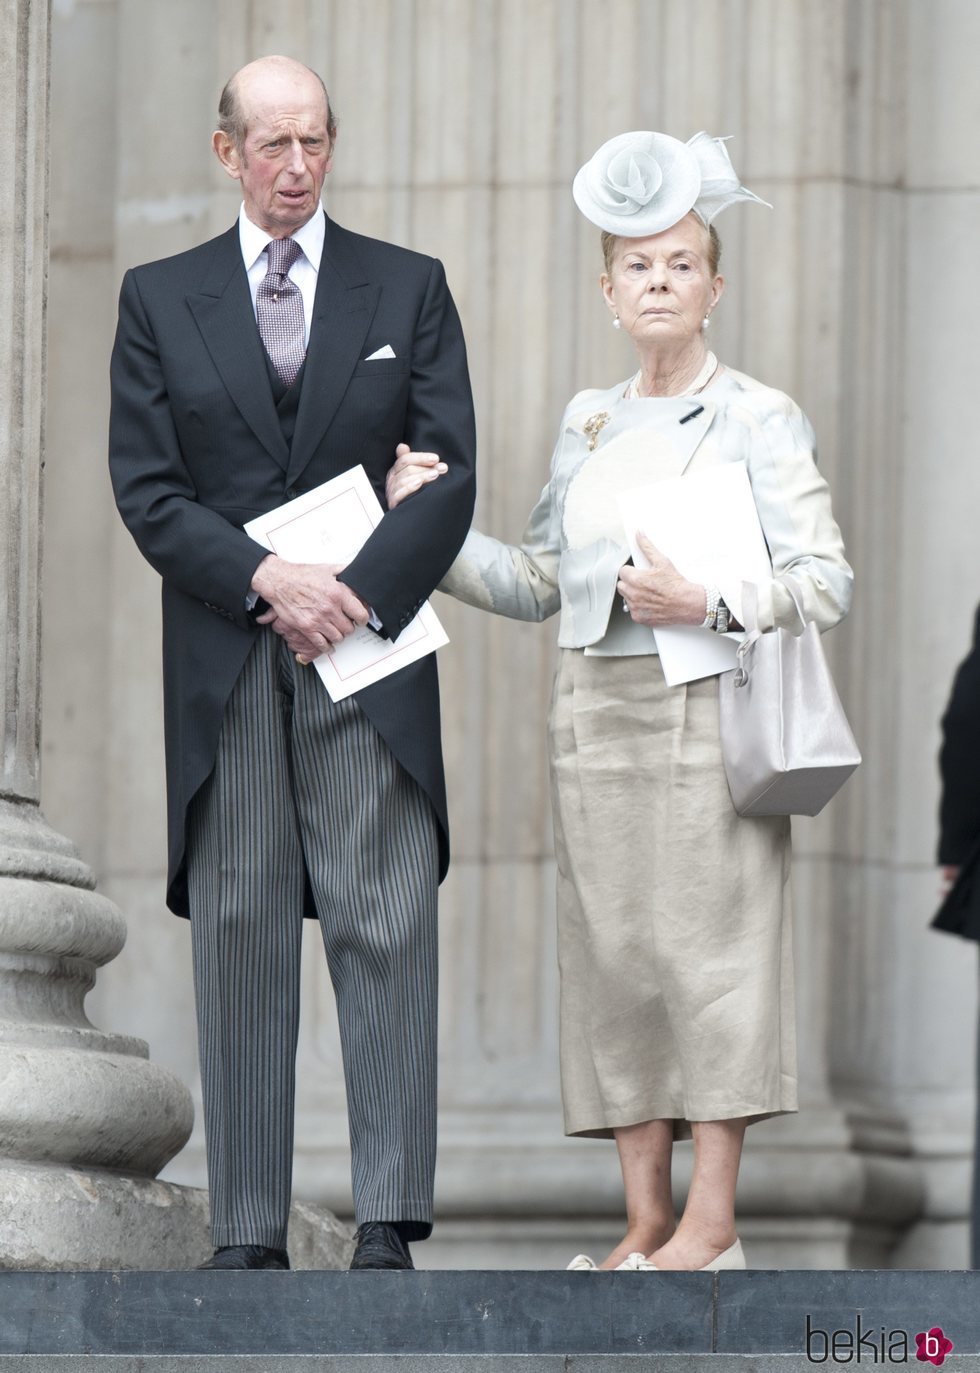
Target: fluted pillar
(901, 1051)
(74, 1102)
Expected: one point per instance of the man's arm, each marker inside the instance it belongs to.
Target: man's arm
(192, 547)
(409, 552)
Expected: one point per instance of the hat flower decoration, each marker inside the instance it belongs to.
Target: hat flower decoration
(641, 183)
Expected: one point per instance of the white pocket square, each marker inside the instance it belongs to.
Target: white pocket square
(386, 352)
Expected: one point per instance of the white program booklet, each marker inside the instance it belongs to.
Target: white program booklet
(707, 524)
(330, 524)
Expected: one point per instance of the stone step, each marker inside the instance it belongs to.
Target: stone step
(442, 1363)
(446, 1320)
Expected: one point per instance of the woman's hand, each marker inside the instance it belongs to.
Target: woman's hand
(410, 473)
(660, 595)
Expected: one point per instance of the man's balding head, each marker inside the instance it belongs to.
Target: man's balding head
(240, 89)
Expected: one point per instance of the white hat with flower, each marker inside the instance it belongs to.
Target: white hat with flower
(642, 183)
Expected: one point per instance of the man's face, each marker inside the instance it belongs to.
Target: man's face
(287, 151)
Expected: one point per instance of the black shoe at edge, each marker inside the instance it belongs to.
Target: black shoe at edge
(379, 1245)
(242, 1256)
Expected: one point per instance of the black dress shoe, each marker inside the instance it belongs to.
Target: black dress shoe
(247, 1256)
(379, 1245)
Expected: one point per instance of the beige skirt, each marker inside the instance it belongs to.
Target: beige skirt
(674, 919)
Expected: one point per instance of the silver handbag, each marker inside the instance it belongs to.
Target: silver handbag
(785, 739)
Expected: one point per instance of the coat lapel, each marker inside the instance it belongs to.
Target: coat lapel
(693, 430)
(342, 313)
(683, 421)
(224, 315)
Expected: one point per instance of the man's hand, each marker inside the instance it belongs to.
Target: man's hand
(308, 606)
(410, 473)
(947, 876)
(660, 595)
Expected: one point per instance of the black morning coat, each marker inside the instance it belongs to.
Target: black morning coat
(196, 450)
(959, 811)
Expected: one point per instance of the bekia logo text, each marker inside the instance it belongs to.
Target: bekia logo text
(871, 1345)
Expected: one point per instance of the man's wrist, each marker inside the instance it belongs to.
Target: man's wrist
(263, 578)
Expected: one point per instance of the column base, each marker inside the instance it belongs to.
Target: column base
(55, 1219)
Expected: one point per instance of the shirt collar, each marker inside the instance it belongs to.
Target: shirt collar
(254, 240)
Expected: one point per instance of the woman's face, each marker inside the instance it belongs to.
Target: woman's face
(661, 287)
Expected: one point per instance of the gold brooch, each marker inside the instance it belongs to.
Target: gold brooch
(592, 426)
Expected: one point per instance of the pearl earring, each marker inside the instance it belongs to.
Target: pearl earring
(616, 323)
(706, 321)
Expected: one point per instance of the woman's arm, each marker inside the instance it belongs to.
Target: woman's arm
(517, 580)
(804, 541)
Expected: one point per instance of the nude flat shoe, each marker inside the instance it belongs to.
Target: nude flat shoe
(732, 1257)
(633, 1263)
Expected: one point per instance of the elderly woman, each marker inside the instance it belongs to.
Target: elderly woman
(675, 944)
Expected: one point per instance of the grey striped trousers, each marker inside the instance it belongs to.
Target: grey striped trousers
(300, 786)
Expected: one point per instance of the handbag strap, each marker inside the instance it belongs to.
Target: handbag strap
(750, 619)
(750, 608)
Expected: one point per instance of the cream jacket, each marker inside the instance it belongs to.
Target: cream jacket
(573, 547)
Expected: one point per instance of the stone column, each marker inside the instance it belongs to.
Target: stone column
(86, 1121)
(901, 1048)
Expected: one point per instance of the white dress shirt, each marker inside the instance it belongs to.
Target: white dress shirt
(303, 273)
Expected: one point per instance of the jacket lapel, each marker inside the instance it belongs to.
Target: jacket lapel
(693, 430)
(683, 421)
(343, 309)
(224, 315)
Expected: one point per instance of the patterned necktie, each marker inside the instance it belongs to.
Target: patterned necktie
(279, 310)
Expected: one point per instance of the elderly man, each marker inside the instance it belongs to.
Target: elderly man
(246, 372)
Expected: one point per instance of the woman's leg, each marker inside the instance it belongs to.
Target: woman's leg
(707, 1227)
(644, 1156)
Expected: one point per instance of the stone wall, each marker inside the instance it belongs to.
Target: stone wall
(461, 125)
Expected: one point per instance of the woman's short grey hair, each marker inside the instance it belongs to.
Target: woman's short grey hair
(231, 116)
(609, 242)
